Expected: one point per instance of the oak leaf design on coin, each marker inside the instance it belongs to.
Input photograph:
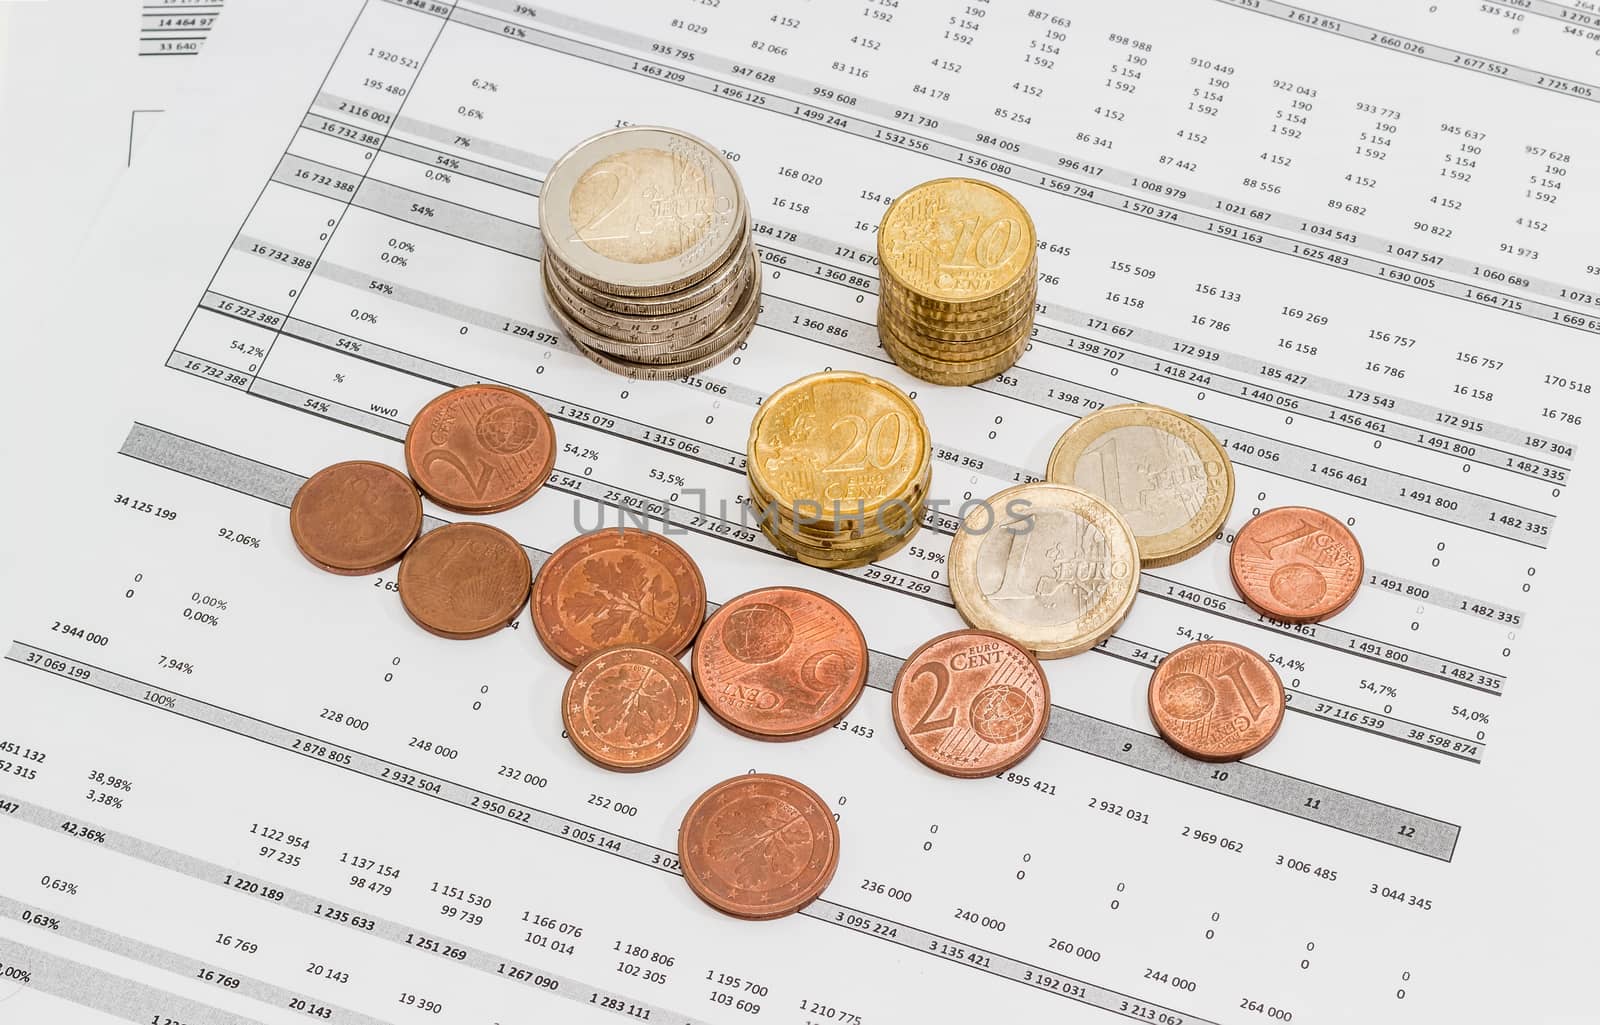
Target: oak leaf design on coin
(608, 606)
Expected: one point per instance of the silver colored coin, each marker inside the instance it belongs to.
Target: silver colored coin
(640, 336)
(669, 302)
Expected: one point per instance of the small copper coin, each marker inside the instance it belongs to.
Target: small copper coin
(629, 708)
(971, 703)
(480, 449)
(1296, 565)
(464, 580)
(617, 587)
(1216, 701)
(758, 846)
(780, 663)
(356, 517)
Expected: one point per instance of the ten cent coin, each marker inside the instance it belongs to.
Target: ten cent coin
(758, 846)
(971, 703)
(480, 449)
(1296, 565)
(464, 580)
(356, 517)
(780, 663)
(1216, 701)
(629, 708)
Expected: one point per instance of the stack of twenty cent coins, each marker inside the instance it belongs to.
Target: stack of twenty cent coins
(958, 279)
(839, 465)
(648, 263)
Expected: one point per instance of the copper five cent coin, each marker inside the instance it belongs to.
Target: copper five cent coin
(480, 449)
(1296, 565)
(629, 708)
(971, 703)
(1216, 700)
(356, 517)
(780, 663)
(464, 580)
(617, 587)
(758, 846)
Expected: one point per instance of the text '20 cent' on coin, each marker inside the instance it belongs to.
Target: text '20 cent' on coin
(758, 846)
(617, 587)
(480, 449)
(1050, 566)
(464, 580)
(971, 703)
(1216, 701)
(1166, 474)
(355, 518)
(1296, 565)
(780, 663)
(629, 708)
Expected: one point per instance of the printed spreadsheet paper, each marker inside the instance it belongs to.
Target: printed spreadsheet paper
(1353, 242)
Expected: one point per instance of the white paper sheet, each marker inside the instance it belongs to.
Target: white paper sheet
(236, 788)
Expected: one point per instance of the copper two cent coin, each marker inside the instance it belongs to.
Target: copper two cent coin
(617, 587)
(1296, 565)
(629, 708)
(780, 663)
(1216, 700)
(356, 517)
(480, 449)
(758, 846)
(971, 703)
(464, 580)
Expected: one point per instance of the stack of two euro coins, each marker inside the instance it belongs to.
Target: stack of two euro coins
(838, 466)
(648, 263)
(958, 279)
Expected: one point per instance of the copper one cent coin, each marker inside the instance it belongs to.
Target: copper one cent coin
(617, 587)
(1296, 565)
(971, 703)
(780, 663)
(629, 708)
(1216, 700)
(758, 846)
(480, 449)
(464, 580)
(356, 517)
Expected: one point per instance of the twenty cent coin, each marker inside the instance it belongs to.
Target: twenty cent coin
(780, 663)
(464, 580)
(617, 587)
(971, 703)
(1052, 567)
(356, 517)
(480, 449)
(1296, 565)
(1216, 701)
(758, 846)
(629, 708)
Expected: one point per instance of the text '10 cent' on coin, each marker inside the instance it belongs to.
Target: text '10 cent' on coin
(1216, 701)
(617, 587)
(1050, 566)
(1296, 565)
(780, 663)
(355, 518)
(1166, 474)
(480, 449)
(629, 708)
(971, 703)
(464, 580)
(758, 846)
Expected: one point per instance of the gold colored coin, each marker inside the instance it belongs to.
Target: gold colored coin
(1169, 477)
(956, 242)
(1050, 566)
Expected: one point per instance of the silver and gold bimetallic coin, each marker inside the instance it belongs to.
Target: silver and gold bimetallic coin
(958, 278)
(839, 465)
(1168, 476)
(648, 266)
(1050, 566)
